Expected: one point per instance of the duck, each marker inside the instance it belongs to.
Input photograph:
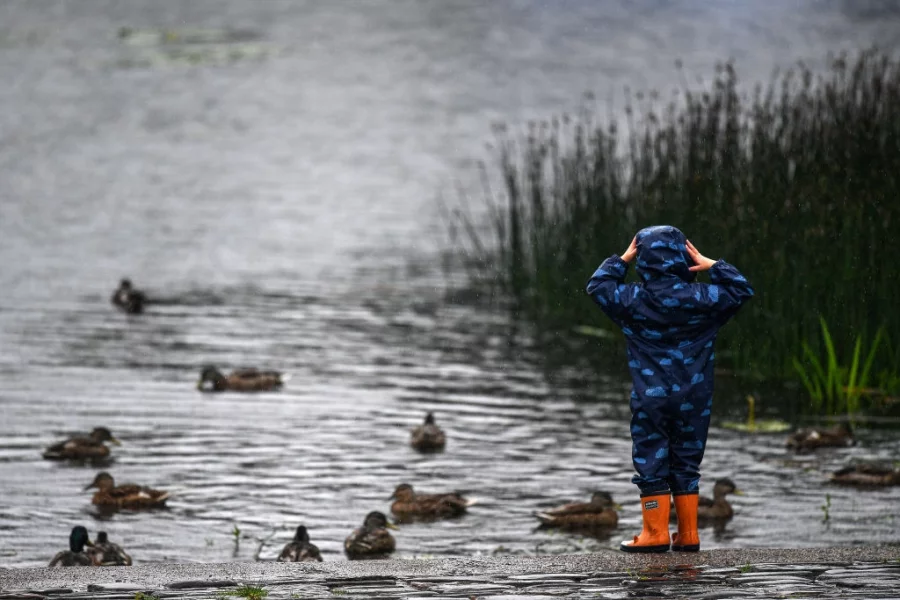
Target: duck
(716, 508)
(128, 495)
(128, 299)
(240, 380)
(372, 540)
(428, 437)
(867, 475)
(300, 550)
(75, 556)
(107, 554)
(839, 436)
(407, 503)
(90, 447)
(599, 512)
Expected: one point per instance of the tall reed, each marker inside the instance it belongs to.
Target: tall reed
(796, 182)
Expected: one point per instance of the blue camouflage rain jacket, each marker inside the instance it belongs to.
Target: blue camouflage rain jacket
(670, 324)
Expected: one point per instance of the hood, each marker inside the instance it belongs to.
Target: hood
(661, 252)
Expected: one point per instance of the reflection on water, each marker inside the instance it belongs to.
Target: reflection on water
(281, 212)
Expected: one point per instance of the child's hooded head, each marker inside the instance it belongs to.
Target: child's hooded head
(661, 253)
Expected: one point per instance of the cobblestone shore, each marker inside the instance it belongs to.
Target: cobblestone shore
(852, 572)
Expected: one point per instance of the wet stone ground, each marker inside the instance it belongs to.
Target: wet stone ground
(862, 572)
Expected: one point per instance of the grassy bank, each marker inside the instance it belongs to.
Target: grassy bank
(796, 182)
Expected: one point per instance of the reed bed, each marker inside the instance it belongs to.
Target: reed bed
(796, 182)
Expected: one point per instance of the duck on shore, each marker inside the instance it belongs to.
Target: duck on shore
(372, 540)
(599, 512)
(300, 549)
(407, 503)
(428, 437)
(107, 554)
(128, 299)
(90, 447)
(75, 556)
(803, 440)
(239, 380)
(128, 495)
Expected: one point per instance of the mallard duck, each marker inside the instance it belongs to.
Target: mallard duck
(75, 555)
(428, 437)
(716, 508)
(107, 554)
(128, 495)
(372, 540)
(867, 475)
(128, 299)
(300, 550)
(407, 503)
(82, 448)
(240, 380)
(839, 436)
(599, 512)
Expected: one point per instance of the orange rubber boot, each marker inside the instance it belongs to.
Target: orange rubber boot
(655, 535)
(687, 539)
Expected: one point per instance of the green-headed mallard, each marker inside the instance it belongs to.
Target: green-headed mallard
(128, 299)
(599, 512)
(107, 554)
(300, 550)
(867, 475)
(839, 436)
(82, 448)
(716, 508)
(240, 380)
(372, 540)
(428, 437)
(128, 495)
(75, 556)
(407, 503)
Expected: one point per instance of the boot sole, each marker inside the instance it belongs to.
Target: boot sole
(689, 548)
(645, 549)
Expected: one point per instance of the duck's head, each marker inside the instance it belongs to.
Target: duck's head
(603, 499)
(102, 434)
(125, 285)
(377, 520)
(78, 539)
(403, 493)
(102, 481)
(301, 535)
(102, 538)
(210, 378)
(726, 486)
(429, 418)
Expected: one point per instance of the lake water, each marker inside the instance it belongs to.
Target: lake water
(276, 190)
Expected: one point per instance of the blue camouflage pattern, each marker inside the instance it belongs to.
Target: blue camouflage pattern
(670, 324)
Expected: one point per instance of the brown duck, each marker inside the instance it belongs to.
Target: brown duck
(128, 299)
(104, 553)
(867, 475)
(599, 512)
(372, 540)
(300, 550)
(240, 380)
(716, 508)
(75, 556)
(408, 504)
(839, 436)
(82, 448)
(128, 495)
(428, 437)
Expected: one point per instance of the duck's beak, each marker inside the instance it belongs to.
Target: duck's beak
(392, 526)
(115, 441)
(738, 493)
(88, 486)
(89, 543)
(392, 497)
(617, 506)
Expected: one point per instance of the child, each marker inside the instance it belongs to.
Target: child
(670, 326)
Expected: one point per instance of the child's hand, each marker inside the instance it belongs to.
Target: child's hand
(701, 263)
(631, 252)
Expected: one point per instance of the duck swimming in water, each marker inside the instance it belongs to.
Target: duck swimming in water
(372, 540)
(407, 503)
(839, 436)
(107, 554)
(128, 299)
(428, 437)
(240, 380)
(82, 448)
(599, 512)
(128, 495)
(867, 475)
(716, 508)
(300, 550)
(75, 556)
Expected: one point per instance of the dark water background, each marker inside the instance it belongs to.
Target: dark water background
(277, 190)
